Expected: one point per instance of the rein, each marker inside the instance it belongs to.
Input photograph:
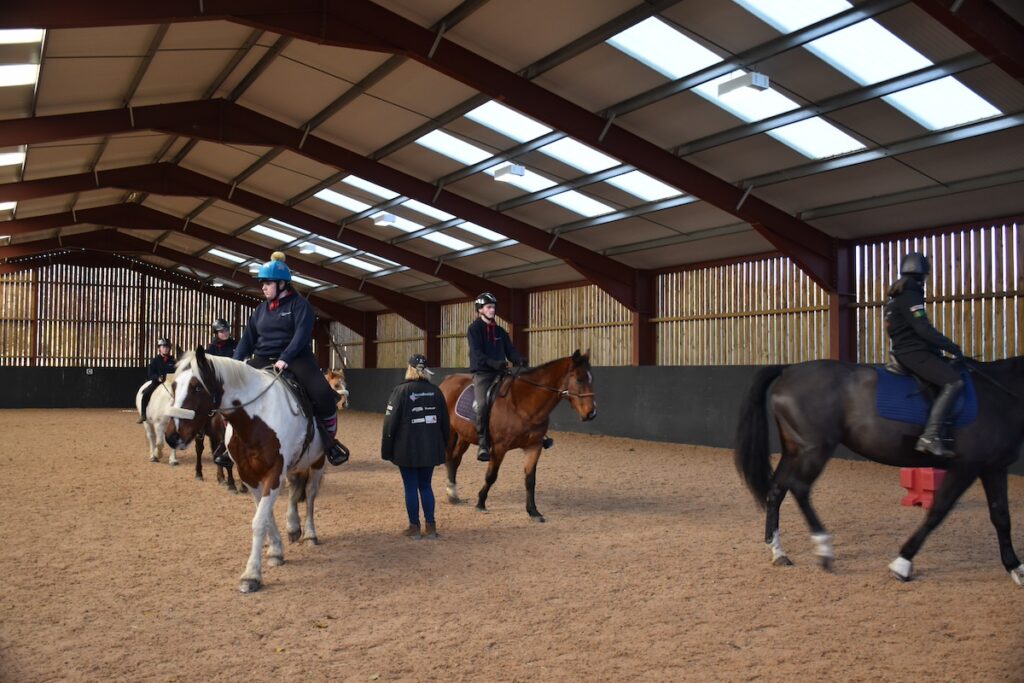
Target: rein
(972, 366)
(187, 414)
(562, 393)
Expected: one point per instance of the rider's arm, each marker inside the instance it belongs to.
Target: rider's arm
(303, 318)
(477, 357)
(915, 314)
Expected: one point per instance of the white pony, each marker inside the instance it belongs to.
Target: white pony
(156, 418)
(268, 437)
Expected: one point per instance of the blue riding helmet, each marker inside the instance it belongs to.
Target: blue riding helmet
(275, 269)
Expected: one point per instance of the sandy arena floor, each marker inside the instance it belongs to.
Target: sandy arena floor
(650, 566)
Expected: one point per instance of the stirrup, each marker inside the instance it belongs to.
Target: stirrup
(547, 442)
(222, 459)
(484, 454)
(337, 454)
(934, 446)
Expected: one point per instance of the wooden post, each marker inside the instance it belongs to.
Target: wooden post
(644, 339)
(841, 312)
(432, 333)
(370, 341)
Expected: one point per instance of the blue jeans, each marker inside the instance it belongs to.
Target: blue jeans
(417, 488)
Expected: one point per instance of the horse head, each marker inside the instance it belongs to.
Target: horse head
(198, 390)
(336, 378)
(578, 386)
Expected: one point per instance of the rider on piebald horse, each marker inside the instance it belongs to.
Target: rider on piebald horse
(161, 366)
(490, 349)
(917, 346)
(280, 334)
(222, 344)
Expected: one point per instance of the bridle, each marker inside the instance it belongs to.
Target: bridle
(187, 414)
(562, 393)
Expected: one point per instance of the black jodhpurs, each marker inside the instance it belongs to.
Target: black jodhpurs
(929, 367)
(307, 373)
(147, 393)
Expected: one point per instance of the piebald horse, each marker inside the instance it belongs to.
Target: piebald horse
(820, 404)
(519, 418)
(268, 438)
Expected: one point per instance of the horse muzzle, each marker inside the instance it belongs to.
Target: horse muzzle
(590, 416)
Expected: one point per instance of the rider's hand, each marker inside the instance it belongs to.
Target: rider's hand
(521, 363)
(280, 365)
(957, 352)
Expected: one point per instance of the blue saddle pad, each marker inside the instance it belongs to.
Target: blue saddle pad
(464, 406)
(900, 398)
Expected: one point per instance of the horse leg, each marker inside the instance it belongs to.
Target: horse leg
(957, 480)
(776, 494)
(451, 464)
(199, 455)
(492, 476)
(154, 441)
(799, 480)
(532, 458)
(316, 475)
(252, 577)
(275, 546)
(995, 483)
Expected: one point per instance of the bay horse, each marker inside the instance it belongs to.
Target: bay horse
(268, 438)
(821, 404)
(156, 423)
(519, 418)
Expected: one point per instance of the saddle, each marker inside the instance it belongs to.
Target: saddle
(301, 398)
(901, 396)
(466, 406)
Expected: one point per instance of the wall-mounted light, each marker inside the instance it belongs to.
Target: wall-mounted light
(751, 79)
(384, 218)
(307, 248)
(508, 172)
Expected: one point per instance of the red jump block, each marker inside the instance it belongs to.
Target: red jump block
(921, 484)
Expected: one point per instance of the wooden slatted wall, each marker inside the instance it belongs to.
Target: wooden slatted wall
(751, 313)
(347, 348)
(63, 315)
(585, 317)
(975, 294)
(397, 339)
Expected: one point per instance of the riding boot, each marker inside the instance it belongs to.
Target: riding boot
(483, 438)
(143, 405)
(931, 440)
(221, 458)
(547, 442)
(336, 452)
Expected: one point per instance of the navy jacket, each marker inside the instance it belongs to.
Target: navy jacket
(489, 347)
(416, 425)
(161, 366)
(285, 332)
(906, 321)
(224, 348)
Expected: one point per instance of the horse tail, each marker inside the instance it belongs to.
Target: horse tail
(752, 461)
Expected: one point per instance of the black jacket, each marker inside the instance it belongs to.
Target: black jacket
(906, 321)
(284, 332)
(224, 348)
(489, 347)
(415, 425)
(161, 366)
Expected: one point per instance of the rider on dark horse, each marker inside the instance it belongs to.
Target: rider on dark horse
(223, 344)
(280, 333)
(917, 346)
(161, 366)
(490, 349)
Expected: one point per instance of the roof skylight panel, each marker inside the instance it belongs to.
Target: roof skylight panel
(270, 232)
(18, 74)
(644, 186)
(663, 48)
(367, 186)
(344, 201)
(8, 206)
(481, 231)
(406, 225)
(306, 281)
(19, 36)
(361, 264)
(227, 256)
(12, 158)
(938, 104)
(453, 148)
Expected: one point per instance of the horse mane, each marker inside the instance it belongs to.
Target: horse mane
(550, 363)
(228, 370)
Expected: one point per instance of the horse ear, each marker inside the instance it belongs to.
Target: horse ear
(576, 357)
(201, 361)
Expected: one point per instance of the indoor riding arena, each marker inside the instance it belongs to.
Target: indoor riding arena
(748, 276)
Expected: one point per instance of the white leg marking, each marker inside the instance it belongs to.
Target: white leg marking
(823, 545)
(1018, 575)
(776, 547)
(901, 568)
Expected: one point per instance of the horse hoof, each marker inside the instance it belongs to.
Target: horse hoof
(153, 458)
(481, 508)
(782, 561)
(454, 500)
(199, 477)
(826, 563)
(537, 518)
(248, 585)
(173, 463)
(901, 569)
(294, 536)
(274, 560)
(312, 540)
(1018, 575)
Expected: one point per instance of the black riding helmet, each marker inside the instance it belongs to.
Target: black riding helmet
(484, 299)
(915, 263)
(163, 341)
(220, 324)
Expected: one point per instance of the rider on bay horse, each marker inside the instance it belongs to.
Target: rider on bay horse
(161, 366)
(223, 344)
(490, 348)
(280, 333)
(917, 345)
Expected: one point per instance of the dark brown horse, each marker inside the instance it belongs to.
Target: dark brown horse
(519, 418)
(820, 404)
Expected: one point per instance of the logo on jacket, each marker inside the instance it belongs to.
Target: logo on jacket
(413, 396)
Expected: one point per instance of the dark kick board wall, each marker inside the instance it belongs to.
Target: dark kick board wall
(692, 405)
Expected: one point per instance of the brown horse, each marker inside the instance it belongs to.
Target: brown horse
(336, 378)
(519, 418)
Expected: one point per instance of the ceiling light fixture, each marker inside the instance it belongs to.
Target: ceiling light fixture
(307, 248)
(750, 79)
(384, 218)
(508, 171)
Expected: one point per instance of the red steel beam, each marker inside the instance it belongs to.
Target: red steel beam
(168, 179)
(111, 240)
(227, 122)
(984, 26)
(138, 217)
